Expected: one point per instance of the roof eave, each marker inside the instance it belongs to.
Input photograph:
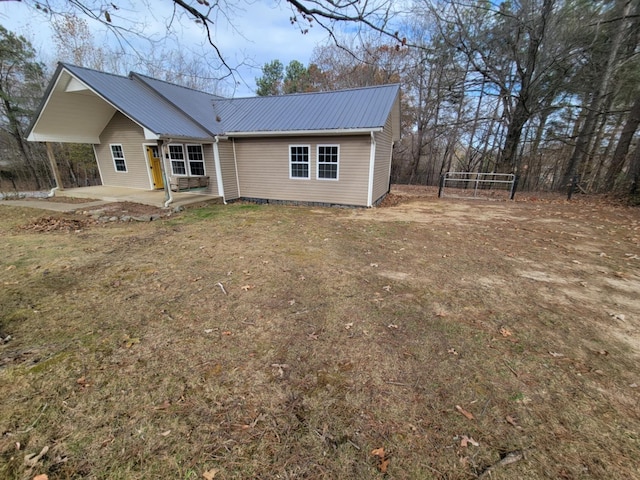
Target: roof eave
(169, 138)
(301, 133)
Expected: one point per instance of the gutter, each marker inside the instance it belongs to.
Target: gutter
(289, 133)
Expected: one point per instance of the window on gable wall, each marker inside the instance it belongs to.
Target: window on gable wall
(118, 158)
(196, 159)
(299, 161)
(328, 160)
(176, 155)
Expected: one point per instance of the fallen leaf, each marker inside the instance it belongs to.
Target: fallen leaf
(618, 316)
(387, 288)
(210, 474)
(11, 267)
(511, 421)
(348, 325)
(227, 333)
(83, 382)
(469, 415)
(246, 288)
(505, 332)
(384, 465)
(32, 459)
(465, 441)
(392, 325)
(378, 452)
(452, 351)
(130, 342)
(291, 302)
(166, 433)
(42, 476)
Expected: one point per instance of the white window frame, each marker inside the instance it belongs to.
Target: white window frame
(337, 162)
(204, 167)
(308, 162)
(114, 158)
(183, 160)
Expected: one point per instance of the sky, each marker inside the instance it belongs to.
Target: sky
(257, 33)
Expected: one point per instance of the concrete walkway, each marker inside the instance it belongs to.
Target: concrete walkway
(53, 206)
(102, 195)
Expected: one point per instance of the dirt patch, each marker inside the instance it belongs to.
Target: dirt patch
(57, 224)
(264, 341)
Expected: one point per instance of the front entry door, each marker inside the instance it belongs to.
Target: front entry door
(153, 157)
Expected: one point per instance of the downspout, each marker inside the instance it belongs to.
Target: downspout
(216, 161)
(390, 160)
(372, 163)
(168, 196)
(235, 162)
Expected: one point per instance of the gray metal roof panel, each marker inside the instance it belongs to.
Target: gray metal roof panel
(140, 103)
(339, 110)
(196, 104)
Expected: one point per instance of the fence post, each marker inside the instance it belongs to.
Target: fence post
(441, 185)
(572, 186)
(514, 186)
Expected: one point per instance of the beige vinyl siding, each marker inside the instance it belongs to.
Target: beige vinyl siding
(209, 168)
(228, 169)
(263, 170)
(122, 131)
(209, 164)
(384, 142)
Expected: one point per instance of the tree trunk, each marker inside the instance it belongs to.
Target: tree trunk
(619, 156)
(508, 162)
(582, 144)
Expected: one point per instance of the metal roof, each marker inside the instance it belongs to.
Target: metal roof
(358, 108)
(169, 110)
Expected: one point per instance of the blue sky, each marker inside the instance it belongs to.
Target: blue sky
(256, 34)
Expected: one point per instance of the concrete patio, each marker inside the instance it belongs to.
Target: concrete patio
(154, 198)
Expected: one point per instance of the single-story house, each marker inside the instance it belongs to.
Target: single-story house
(324, 147)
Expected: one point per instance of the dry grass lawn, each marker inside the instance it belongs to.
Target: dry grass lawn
(467, 339)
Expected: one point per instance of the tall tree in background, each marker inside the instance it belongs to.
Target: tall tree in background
(270, 83)
(21, 86)
(276, 80)
(296, 78)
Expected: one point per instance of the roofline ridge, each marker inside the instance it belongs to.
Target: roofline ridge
(71, 65)
(173, 84)
(297, 94)
(136, 77)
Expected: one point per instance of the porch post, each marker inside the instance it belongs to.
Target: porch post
(54, 166)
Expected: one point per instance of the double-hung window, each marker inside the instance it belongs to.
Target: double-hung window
(196, 160)
(299, 161)
(176, 155)
(328, 160)
(118, 158)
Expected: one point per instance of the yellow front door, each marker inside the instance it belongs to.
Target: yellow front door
(153, 155)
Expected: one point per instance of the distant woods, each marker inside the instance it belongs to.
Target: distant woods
(546, 89)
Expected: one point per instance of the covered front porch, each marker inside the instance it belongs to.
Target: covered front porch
(154, 198)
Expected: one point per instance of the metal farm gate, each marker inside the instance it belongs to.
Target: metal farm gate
(478, 185)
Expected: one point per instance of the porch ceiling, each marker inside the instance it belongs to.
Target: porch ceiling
(72, 113)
